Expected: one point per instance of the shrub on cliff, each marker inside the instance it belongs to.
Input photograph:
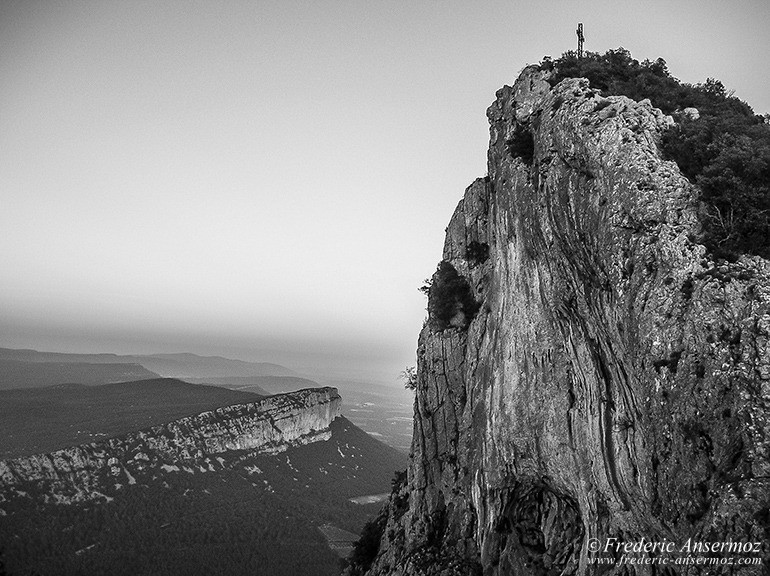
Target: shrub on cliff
(368, 545)
(477, 252)
(615, 72)
(725, 150)
(450, 299)
(409, 377)
(521, 144)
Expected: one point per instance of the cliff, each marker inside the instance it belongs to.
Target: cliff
(80, 473)
(587, 371)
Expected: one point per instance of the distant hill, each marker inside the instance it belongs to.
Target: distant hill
(383, 411)
(259, 384)
(186, 365)
(27, 355)
(37, 420)
(29, 374)
(238, 514)
(182, 365)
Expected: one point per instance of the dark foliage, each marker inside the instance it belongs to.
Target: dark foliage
(521, 144)
(725, 151)
(450, 299)
(35, 420)
(615, 72)
(672, 362)
(258, 514)
(687, 288)
(477, 252)
(400, 500)
(368, 545)
(399, 481)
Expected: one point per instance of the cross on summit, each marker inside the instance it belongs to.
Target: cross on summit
(581, 38)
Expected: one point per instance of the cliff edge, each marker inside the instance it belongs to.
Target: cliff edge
(588, 375)
(81, 473)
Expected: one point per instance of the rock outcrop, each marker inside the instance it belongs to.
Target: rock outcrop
(79, 473)
(611, 381)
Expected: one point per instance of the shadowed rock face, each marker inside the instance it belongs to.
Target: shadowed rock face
(615, 379)
(270, 425)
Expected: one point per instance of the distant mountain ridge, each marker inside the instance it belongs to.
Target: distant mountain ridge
(259, 384)
(25, 368)
(381, 410)
(27, 374)
(186, 365)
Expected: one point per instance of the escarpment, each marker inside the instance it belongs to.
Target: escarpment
(270, 425)
(607, 379)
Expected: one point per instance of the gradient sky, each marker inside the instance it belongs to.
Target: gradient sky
(271, 180)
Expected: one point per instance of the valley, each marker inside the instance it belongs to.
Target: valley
(240, 513)
(385, 412)
(229, 474)
(33, 421)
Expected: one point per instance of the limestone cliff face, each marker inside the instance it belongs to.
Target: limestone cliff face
(270, 425)
(615, 380)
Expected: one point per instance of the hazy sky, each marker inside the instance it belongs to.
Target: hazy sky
(271, 180)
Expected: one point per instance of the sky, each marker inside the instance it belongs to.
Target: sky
(271, 180)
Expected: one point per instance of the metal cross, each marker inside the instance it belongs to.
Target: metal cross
(581, 38)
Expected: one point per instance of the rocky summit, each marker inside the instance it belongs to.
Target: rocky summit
(588, 374)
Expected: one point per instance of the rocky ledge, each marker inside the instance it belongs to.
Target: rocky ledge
(270, 425)
(588, 372)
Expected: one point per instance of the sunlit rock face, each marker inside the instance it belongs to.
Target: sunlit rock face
(614, 382)
(269, 425)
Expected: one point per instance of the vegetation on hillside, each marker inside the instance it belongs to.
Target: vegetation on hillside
(724, 149)
(248, 514)
(450, 299)
(367, 546)
(36, 420)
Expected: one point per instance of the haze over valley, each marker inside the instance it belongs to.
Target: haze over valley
(179, 470)
(37, 388)
(344, 288)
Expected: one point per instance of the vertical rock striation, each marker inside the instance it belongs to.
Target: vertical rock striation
(613, 381)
